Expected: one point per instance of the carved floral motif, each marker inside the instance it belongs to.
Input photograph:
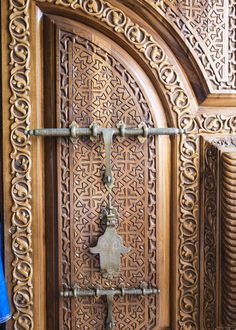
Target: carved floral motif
(20, 157)
(209, 212)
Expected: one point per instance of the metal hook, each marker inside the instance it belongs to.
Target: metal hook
(108, 139)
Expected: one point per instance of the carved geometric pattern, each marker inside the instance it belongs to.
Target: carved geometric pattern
(208, 27)
(95, 87)
(20, 108)
(167, 75)
(64, 210)
(232, 44)
(208, 21)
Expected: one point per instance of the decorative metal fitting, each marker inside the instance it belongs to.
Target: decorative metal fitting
(143, 286)
(142, 132)
(142, 138)
(122, 289)
(121, 126)
(73, 126)
(94, 131)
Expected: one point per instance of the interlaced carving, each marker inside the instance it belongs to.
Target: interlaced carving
(232, 44)
(209, 30)
(98, 88)
(20, 164)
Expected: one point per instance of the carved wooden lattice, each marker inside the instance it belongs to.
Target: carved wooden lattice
(94, 86)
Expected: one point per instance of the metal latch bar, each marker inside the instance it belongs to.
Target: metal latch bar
(109, 293)
(76, 291)
(142, 132)
(81, 131)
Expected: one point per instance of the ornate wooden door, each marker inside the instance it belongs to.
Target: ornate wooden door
(159, 62)
(95, 81)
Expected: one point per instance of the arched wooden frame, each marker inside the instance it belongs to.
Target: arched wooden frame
(21, 97)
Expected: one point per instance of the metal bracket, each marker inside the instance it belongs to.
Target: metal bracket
(109, 320)
(142, 138)
(109, 293)
(107, 135)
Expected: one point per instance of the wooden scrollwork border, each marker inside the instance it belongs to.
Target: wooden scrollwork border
(20, 109)
(177, 97)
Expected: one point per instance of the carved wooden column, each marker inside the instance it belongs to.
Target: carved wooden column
(219, 256)
(228, 237)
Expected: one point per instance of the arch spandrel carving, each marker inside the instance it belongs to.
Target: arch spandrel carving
(199, 24)
(187, 294)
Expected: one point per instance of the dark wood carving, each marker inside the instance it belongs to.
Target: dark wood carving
(209, 235)
(94, 86)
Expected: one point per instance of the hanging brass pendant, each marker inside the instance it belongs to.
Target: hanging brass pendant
(110, 245)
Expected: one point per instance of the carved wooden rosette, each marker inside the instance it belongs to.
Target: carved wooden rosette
(20, 156)
(177, 98)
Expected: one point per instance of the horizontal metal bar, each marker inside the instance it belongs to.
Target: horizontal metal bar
(77, 292)
(77, 132)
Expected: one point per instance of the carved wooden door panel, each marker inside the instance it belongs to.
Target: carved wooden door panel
(94, 80)
(161, 62)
